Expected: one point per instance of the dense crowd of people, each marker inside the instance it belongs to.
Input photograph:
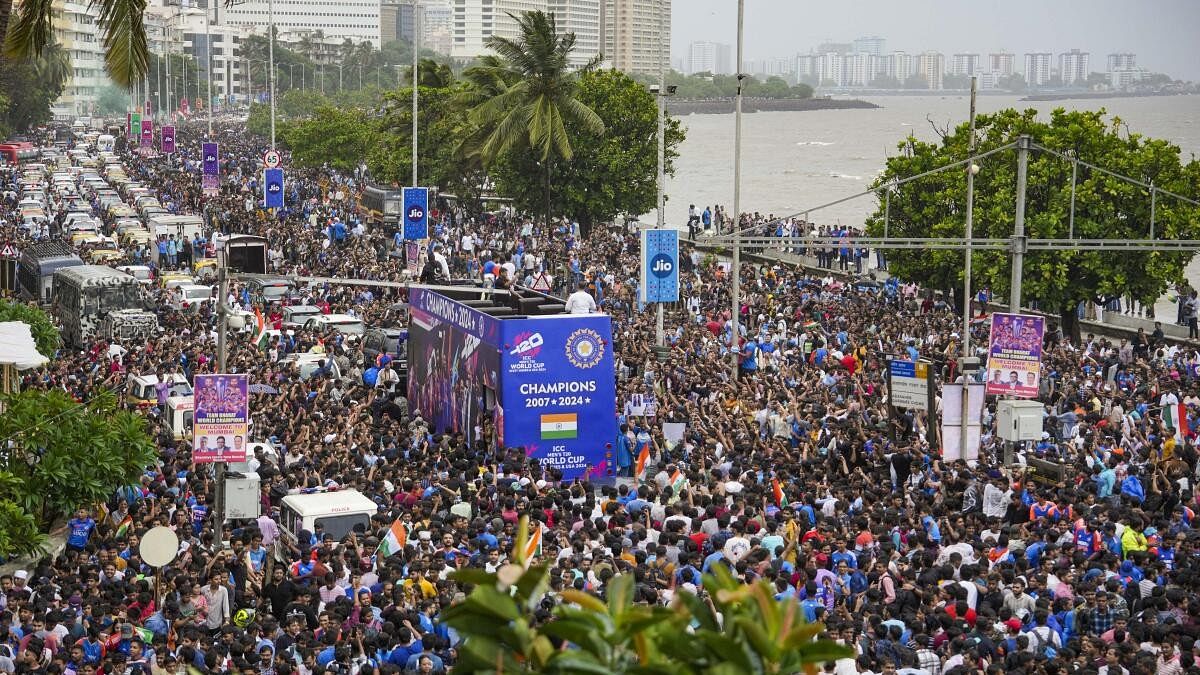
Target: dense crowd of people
(925, 566)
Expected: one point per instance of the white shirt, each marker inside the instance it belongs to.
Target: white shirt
(580, 302)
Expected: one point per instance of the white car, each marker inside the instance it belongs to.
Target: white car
(342, 323)
(191, 296)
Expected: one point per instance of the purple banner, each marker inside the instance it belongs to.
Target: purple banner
(147, 134)
(1015, 355)
(146, 108)
(221, 418)
(168, 140)
(212, 169)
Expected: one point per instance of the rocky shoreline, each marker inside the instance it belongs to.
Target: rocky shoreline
(725, 105)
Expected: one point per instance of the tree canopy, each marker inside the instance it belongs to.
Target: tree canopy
(1106, 207)
(45, 334)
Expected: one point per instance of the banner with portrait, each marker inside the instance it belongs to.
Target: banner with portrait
(221, 418)
(1014, 366)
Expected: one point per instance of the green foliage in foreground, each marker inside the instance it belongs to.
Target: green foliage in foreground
(64, 456)
(45, 334)
(734, 629)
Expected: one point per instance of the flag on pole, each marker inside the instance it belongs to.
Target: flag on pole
(678, 482)
(1175, 416)
(123, 528)
(642, 458)
(778, 490)
(261, 329)
(395, 539)
(533, 545)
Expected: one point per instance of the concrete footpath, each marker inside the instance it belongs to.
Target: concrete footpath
(1113, 325)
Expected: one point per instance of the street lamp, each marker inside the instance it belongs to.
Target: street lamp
(736, 267)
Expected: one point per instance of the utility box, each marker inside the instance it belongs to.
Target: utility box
(1018, 420)
(242, 496)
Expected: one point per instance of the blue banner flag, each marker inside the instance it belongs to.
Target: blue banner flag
(273, 188)
(416, 213)
(660, 266)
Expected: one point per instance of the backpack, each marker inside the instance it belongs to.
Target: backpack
(1042, 646)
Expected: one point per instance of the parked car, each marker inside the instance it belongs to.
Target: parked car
(295, 316)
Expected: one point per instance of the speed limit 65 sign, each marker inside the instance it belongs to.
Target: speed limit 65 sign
(272, 159)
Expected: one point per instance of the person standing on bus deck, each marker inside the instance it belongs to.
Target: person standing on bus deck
(581, 302)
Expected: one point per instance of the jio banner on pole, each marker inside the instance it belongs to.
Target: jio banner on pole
(146, 108)
(416, 213)
(273, 186)
(660, 266)
(1015, 355)
(168, 140)
(147, 135)
(210, 180)
(221, 418)
(135, 125)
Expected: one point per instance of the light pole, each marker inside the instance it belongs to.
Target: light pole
(271, 65)
(972, 169)
(736, 267)
(416, 41)
(208, 69)
(659, 338)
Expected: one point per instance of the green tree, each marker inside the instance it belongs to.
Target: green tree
(68, 455)
(40, 81)
(738, 628)
(1105, 208)
(112, 101)
(611, 174)
(122, 33)
(45, 334)
(1014, 83)
(341, 138)
(534, 110)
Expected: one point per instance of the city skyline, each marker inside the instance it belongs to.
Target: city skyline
(777, 28)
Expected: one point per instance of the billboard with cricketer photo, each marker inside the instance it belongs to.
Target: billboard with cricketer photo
(1014, 366)
(221, 418)
(453, 362)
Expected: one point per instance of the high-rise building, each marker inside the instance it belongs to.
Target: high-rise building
(933, 66)
(218, 48)
(474, 21)
(76, 29)
(964, 64)
(856, 69)
(436, 20)
(710, 57)
(581, 17)
(901, 66)
(395, 21)
(1037, 68)
(1002, 63)
(808, 67)
(873, 44)
(636, 34)
(831, 69)
(356, 20)
(1074, 66)
(1122, 61)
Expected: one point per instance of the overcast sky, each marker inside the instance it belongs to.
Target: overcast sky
(1163, 33)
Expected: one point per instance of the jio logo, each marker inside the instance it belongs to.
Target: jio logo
(416, 213)
(662, 265)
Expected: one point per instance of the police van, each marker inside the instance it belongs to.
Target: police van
(338, 513)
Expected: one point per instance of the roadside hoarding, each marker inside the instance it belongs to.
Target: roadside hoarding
(221, 418)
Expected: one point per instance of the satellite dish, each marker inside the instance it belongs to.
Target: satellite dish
(159, 546)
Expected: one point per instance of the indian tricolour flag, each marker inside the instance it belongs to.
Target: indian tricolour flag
(533, 545)
(395, 539)
(1175, 417)
(560, 425)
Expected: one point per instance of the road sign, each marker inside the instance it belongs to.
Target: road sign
(541, 283)
(8, 251)
(272, 159)
(909, 384)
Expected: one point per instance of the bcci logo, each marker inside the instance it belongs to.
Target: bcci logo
(585, 348)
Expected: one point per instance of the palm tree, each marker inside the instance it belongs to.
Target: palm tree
(535, 95)
(432, 74)
(53, 66)
(126, 54)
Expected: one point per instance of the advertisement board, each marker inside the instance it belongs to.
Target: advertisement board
(211, 173)
(660, 266)
(147, 135)
(221, 418)
(273, 188)
(168, 140)
(1014, 366)
(416, 213)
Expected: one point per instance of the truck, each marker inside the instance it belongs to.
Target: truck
(382, 206)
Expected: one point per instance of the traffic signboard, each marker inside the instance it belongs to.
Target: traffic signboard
(272, 159)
